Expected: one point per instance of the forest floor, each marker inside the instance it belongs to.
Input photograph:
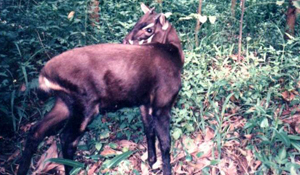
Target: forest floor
(196, 153)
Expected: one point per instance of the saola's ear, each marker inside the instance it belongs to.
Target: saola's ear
(164, 23)
(146, 9)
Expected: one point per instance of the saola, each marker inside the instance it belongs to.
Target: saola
(105, 77)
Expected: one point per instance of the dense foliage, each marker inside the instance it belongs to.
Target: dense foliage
(263, 88)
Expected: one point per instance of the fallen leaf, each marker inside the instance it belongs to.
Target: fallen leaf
(107, 151)
(44, 166)
(22, 87)
(92, 170)
(206, 149)
(227, 167)
(189, 144)
(209, 134)
(127, 144)
(71, 15)
(144, 169)
(288, 96)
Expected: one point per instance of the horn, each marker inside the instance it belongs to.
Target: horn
(145, 8)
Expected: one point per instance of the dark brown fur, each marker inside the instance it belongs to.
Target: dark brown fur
(109, 77)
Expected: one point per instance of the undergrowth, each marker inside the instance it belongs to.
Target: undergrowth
(263, 89)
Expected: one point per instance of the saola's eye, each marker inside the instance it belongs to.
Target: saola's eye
(149, 30)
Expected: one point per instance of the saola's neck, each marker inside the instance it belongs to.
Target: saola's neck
(172, 38)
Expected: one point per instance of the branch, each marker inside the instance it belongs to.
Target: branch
(241, 30)
(198, 24)
(42, 44)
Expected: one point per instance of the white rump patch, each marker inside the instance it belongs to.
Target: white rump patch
(47, 85)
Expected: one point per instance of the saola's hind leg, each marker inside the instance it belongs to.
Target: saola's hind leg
(162, 129)
(82, 116)
(148, 122)
(50, 124)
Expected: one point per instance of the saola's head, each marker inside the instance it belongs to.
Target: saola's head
(153, 28)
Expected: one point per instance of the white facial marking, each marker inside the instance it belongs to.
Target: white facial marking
(130, 41)
(165, 26)
(141, 42)
(150, 39)
(149, 25)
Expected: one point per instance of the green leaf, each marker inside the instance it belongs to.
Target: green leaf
(199, 154)
(264, 123)
(296, 4)
(202, 19)
(281, 157)
(214, 162)
(225, 104)
(168, 14)
(296, 144)
(188, 157)
(282, 153)
(279, 2)
(282, 136)
(116, 160)
(75, 170)
(68, 162)
(177, 133)
(294, 137)
(212, 19)
(113, 145)
(98, 146)
(293, 170)
(290, 36)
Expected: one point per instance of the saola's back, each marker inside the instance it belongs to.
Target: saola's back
(130, 71)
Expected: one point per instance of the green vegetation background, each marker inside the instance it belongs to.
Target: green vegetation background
(215, 87)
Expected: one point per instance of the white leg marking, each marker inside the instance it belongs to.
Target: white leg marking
(130, 42)
(150, 111)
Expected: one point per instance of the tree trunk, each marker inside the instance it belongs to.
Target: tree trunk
(198, 24)
(241, 30)
(94, 12)
(290, 20)
(233, 3)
